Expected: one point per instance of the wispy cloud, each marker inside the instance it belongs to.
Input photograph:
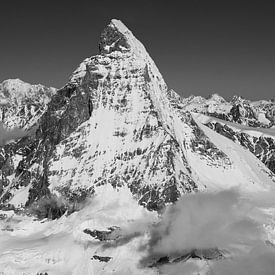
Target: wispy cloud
(204, 220)
(258, 261)
(8, 135)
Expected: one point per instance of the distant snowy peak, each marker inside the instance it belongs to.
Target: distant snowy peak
(16, 90)
(212, 104)
(239, 110)
(216, 98)
(21, 103)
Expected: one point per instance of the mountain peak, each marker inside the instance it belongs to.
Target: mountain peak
(216, 97)
(117, 41)
(13, 80)
(14, 83)
(18, 85)
(22, 104)
(17, 88)
(237, 98)
(119, 25)
(117, 37)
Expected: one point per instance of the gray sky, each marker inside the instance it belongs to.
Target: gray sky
(200, 46)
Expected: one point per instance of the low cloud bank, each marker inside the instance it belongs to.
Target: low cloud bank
(227, 221)
(202, 221)
(259, 261)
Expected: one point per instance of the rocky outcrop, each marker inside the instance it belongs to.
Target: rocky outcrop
(199, 254)
(102, 258)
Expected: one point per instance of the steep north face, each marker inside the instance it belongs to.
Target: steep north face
(115, 123)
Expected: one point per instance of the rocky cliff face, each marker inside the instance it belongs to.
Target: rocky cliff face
(116, 123)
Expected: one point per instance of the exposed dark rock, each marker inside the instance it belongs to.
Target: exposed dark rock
(112, 40)
(207, 254)
(111, 234)
(101, 258)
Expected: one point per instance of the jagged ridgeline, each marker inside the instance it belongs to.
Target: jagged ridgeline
(116, 123)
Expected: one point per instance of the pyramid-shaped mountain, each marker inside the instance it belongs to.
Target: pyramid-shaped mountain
(116, 123)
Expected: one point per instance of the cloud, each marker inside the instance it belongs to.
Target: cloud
(8, 135)
(204, 220)
(180, 268)
(132, 230)
(259, 261)
(228, 221)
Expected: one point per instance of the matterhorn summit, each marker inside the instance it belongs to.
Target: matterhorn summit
(110, 150)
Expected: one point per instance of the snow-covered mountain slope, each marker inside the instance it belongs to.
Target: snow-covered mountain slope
(102, 238)
(118, 124)
(22, 104)
(249, 123)
(259, 141)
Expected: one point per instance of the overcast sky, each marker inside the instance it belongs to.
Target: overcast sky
(200, 46)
